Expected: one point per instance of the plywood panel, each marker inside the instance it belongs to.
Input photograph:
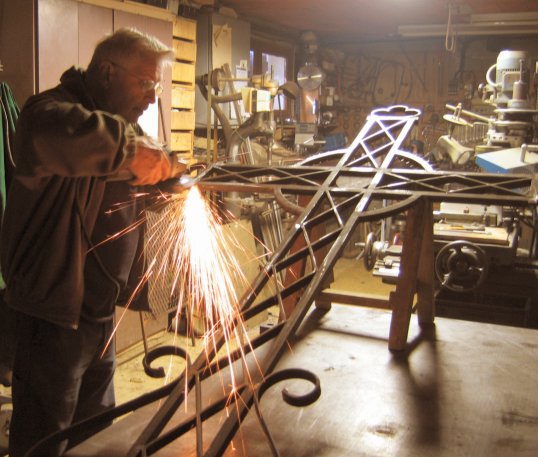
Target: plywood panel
(129, 330)
(94, 23)
(58, 26)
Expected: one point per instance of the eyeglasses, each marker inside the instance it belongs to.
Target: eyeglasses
(145, 84)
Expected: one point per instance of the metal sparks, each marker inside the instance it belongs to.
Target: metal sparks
(194, 259)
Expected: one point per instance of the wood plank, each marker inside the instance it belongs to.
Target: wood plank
(184, 50)
(184, 28)
(402, 298)
(183, 72)
(352, 298)
(182, 120)
(181, 141)
(182, 97)
(454, 232)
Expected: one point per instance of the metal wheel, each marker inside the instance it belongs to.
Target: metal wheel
(369, 255)
(461, 266)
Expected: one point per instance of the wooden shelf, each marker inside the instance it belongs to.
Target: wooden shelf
(183, 80)
(182, 97)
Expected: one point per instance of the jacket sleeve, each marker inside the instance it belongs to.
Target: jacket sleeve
(58, 136)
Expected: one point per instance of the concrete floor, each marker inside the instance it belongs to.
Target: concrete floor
(461, 389)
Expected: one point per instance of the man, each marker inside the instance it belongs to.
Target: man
(72, 142)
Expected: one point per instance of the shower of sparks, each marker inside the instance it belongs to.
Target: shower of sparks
(193, 259)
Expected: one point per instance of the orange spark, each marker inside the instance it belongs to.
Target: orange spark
(196, 258)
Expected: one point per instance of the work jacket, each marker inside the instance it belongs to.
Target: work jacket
(65, 150)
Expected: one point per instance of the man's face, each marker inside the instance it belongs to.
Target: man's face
(134, 85)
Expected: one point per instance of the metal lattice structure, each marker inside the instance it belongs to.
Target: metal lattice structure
(331, 194)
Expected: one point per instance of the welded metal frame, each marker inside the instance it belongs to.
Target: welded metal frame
(331, 193)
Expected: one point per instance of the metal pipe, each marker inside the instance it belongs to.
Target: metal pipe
(468, 113)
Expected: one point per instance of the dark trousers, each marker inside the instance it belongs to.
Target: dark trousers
(7, 341)
(60, 376)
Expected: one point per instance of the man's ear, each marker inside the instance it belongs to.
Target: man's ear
(106, 72)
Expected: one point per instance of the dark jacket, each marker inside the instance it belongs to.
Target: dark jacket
(65, 148)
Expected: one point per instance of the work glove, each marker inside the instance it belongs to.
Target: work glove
(152, 163)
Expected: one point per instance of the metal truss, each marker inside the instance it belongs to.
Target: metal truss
(330, 193)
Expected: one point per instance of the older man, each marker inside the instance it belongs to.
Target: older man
(62, 281)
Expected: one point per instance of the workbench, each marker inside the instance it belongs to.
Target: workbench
(459, 389)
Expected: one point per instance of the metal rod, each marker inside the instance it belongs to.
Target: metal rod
(469, 113)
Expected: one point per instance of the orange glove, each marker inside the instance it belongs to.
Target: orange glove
(150, 163)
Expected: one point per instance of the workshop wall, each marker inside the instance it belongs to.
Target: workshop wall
(419, 73)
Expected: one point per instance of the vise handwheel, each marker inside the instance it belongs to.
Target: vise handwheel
(461, 266)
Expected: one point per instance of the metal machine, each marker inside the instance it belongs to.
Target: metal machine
(507, 139)
(471, 240)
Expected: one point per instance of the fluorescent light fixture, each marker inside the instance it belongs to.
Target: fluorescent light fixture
(505, 18)
(526, 27)
(523, 23)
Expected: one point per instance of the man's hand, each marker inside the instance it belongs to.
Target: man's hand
(151, 164)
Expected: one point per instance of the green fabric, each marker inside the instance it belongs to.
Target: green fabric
(8, 119)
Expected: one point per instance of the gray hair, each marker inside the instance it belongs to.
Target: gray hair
(129, 43)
